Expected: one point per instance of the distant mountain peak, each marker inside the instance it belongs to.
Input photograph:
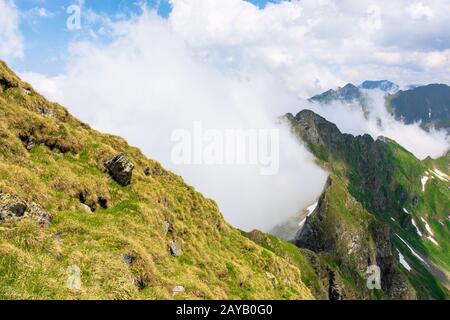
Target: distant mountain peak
(351, 93)
(347, 94)
(383, 85)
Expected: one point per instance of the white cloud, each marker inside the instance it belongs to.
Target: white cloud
(11, 43)
(436, 59)
(148, 83)
(41, 12)
(351, 119)
(419, 11)
(315, 45)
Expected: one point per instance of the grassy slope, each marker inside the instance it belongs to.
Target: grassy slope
(68, 160)
(433, 206)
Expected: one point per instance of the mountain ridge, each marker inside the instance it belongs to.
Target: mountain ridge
(385, 181)
(428, 105)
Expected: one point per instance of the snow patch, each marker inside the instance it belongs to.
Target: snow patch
(440, 175)
(301, 223)
(309, 211)
(311, 208)
(427, 226)
(411, 249)
(424, 181)
(415, 226)
(406, 211)
(433, 240)
(403, 262)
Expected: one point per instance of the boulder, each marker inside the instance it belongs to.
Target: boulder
(178, 289)
(36, 212)
(128, 258)
(14, 208)
(167, 227)
(11, 207)
(45, 111)
(175, 249)
(120, 169)
(86, 208)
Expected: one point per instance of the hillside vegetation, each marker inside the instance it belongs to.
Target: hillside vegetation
(153, 237)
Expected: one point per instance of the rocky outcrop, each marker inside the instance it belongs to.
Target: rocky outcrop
(341, 229)
(175, 249)
(394, 283)
(37, 213)
(120, 169)
(7, 83)
(128, 258)
(13, 208)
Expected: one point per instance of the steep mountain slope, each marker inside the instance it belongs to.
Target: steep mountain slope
(74, 202)
(374, 207)
(428, 104)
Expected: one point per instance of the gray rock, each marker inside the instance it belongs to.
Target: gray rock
(175, 249)
(46, 111)
(120, 169)
(178, 289)
(26, 91)
(28, 141)
(14, 208)
(86, 208)
(167, 227)
(128, 258)
(11, 207)
(36, 212)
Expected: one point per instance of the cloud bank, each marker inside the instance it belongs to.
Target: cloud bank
(11, 45)
(148, 83)
(232, 65)
(350, 118)
(316, 45)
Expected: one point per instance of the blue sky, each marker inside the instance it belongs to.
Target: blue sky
(46, 38)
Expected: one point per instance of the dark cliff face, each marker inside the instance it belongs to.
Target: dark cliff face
(428, 104)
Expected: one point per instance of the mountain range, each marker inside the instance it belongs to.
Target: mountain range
(76, 202)
(428, 105)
